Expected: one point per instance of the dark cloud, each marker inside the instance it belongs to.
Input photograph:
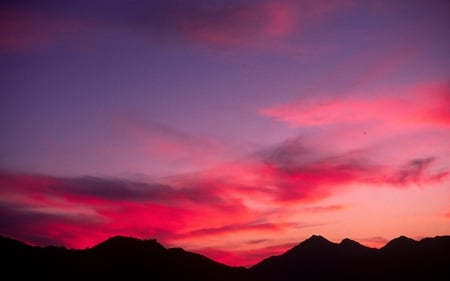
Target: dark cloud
(78, 189)
(301, 172)
(289, 154)
(294, 155)
(31, 223)
(110, 189)
(417, 171)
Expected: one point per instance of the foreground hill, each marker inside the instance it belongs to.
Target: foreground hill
(118, 258)
(319, 259)
(125, 258)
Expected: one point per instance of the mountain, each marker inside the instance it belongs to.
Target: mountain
(126, 258)
(118, 258)
(319, 259)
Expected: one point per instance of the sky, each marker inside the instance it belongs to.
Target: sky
(235, 129)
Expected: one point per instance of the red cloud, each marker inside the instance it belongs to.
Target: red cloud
(41, 209)
(38, 208)
(246, 201)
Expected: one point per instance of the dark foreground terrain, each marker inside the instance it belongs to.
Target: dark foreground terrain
(125, 258)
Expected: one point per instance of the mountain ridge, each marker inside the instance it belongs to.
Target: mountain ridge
(316, 258)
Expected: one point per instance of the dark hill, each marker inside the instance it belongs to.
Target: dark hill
(118, 258)
(125, 258)
(319, 259)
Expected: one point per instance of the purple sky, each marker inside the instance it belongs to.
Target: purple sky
(195, 94)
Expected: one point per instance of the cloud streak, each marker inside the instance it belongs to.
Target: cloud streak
(421, 104)
(417, 171)
(214, 24)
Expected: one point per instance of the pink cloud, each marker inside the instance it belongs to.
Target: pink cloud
(174, 147)
(421, 104)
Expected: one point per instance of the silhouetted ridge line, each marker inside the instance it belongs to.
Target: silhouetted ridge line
(123, 243)
(123, 258)
(319, 259)
(316, 240)
(400, 242)
(316, 258)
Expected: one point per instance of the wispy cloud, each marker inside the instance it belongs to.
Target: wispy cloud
(417, 171)
(176, 147)
(420, 104)
(214, 24)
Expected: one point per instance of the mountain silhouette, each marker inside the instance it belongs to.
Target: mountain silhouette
(118, 258)
(319, 259)
(316, 258)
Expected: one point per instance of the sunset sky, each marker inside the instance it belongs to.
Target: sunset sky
(235, 129)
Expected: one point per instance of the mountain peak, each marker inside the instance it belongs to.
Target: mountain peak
(127, 243)
(348, 241)
(349, 246)
(316, 239)
(313, 242)
(400, 242)
(403, 239)
(119, 240)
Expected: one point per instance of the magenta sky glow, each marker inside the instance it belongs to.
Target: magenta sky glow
(235, 129)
